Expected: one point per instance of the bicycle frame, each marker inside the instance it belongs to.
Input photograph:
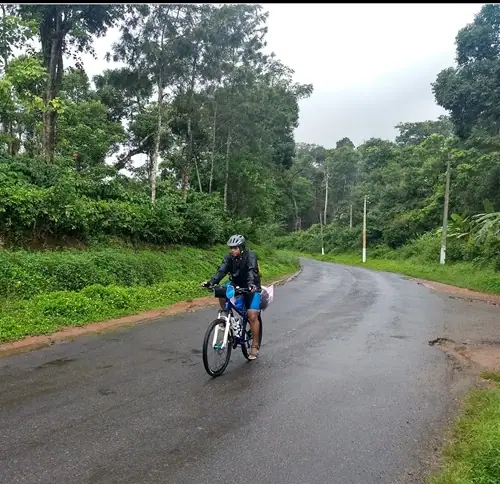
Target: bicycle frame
(229, 307)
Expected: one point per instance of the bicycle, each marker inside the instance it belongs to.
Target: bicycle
(234, 330)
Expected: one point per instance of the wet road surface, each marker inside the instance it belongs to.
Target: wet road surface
(347, 390)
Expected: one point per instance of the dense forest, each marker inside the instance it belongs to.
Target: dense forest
(213, 117)
(211, 114)
(404, 179)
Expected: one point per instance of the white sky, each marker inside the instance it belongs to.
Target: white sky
(371, 65)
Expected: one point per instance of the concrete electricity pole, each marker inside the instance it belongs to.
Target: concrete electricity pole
(442, 257)
(364, 231)
(322, 239)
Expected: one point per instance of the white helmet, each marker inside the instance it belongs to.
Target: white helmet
(236, 241)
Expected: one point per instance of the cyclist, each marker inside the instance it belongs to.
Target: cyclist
(243, 267)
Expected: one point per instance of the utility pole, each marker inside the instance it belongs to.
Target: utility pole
(322, 239)
(327, 177)
(350, 217)
(364, 231)
(442, 257)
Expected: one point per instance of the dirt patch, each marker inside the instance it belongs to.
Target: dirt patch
(485, 356)
(471, 333)
(35, 342)
(488, 357)
(460, 292)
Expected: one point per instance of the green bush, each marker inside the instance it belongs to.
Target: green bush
(40, 200)
(424, 249)
(427, 248)
(336, 239)
(43, 292)
(54, 202)
(25, 274)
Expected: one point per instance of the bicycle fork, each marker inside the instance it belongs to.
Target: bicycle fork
(226, 334)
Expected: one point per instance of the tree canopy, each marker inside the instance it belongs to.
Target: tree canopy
(213, 117)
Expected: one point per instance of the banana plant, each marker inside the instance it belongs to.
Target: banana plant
(487, 223)
(460, 226)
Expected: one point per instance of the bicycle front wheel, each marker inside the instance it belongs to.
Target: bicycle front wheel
(213, 351)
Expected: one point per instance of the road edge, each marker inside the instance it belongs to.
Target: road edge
(459, 292)
(32, 343)
(453, 291)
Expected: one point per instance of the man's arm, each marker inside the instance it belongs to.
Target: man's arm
(253, 270)
(221, 271)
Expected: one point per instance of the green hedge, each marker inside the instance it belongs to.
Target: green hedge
(424, 249)
(336, 240)
(40, 200)
(24, 274)
(43, 292)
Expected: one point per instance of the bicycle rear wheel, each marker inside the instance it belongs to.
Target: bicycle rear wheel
(245, 347)
(209, 350)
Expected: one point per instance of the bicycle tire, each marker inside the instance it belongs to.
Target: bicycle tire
(244, 348)
(208, 345)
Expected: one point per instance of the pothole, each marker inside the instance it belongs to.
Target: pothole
(441, 342)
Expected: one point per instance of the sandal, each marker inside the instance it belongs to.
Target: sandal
(254, 352)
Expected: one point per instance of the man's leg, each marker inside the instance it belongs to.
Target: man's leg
(253, 319)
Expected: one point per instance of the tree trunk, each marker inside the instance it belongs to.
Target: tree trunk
(123, 160)
(5, 54)
(185, 181)
(5, 123)
(189, 155)
(52, 34)
(149, 166)
(156, 150)
(189, 152)
(198, 173)
(212, 160)
(15, 142)
(48, 115)
(297, 218)
(226, 182)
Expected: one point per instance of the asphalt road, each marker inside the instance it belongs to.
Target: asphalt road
(347, 390)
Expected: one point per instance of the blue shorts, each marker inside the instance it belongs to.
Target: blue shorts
(252, 301)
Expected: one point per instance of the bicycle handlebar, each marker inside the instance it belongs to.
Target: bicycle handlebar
(237, 290)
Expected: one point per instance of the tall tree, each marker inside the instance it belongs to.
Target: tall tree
(415, 133)
(469, 91)
(64, 30)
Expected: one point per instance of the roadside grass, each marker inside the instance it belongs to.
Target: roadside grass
(492, 376)
(173, 276)
(473, 454)
(460, 274)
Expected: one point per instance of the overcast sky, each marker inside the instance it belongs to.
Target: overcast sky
(371, 65)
